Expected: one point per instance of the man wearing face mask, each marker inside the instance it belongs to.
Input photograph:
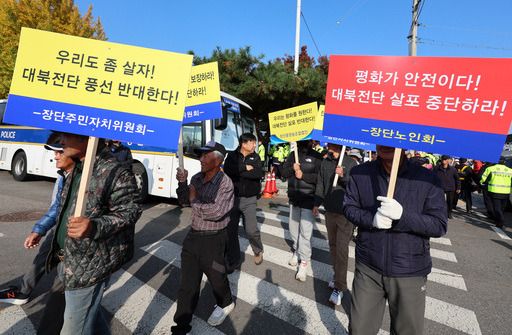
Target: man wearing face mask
(392, 249)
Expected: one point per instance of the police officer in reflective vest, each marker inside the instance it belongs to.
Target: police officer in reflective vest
(499, 180)
(261, 153)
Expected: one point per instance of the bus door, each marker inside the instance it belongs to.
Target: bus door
(228, 133)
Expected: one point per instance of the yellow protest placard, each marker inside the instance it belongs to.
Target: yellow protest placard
(204, 84)
(293, 124)
(317, 134)
(98, 88)
(319, 123)
(203, 95)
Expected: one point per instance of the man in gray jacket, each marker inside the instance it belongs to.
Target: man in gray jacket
(339, 229)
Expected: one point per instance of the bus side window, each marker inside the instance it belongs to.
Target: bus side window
(2, 111)
(192, 138)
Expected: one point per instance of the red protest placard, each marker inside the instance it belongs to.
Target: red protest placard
(454, 106)
(462, 93)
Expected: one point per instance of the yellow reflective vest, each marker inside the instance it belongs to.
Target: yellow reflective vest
(261, 152)
(498, 178)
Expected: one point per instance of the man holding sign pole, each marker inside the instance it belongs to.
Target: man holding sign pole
(392, 250)
(210, 194)
(89, 248)
(339, 229)
(302, 180)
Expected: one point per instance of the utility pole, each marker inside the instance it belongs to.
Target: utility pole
(297, 40)
(413, 37)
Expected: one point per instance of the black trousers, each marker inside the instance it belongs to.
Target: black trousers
(499, 203)
(488, 202)
(449, 200)
(201, 254)
(467, 195)
(37, 270)
(245, 207)
(53, 317)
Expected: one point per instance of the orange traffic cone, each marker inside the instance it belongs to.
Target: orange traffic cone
(267, 192)
(273, 186)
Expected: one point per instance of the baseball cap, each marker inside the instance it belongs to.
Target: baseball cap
(211, 146)
(445, 157)
(53, 142)
(420, 160)
(55, 147)
(355, 152)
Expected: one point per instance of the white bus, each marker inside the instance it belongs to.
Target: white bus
(22, 151)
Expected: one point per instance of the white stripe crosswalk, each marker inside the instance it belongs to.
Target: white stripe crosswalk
(142, 309)
(324, 271)
(14, 321)
(322, 244)
(321, 217)
(310, 316)
(266, 295)
(462, 319)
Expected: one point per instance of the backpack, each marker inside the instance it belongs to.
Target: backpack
(461, 172)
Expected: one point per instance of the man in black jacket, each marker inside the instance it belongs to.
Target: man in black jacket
(245, 169)
(485, 192)
(450, 180)
(302, 180)
(467, 176)
(393, 248)
(339, 229)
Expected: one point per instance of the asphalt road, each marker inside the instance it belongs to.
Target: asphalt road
(469, 290)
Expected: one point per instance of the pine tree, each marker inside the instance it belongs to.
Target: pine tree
(271, 86)
(61, 16)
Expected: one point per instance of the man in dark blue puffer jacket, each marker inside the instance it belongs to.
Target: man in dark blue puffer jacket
(393, 249)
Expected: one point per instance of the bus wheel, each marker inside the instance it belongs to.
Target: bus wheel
(19, 167)
(142, 179)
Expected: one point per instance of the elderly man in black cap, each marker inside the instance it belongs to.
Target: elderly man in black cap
(210, 195)
(450, 180)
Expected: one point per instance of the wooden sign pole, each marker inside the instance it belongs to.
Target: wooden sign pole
(181, 162)
(342, 154)
(296, 152)
(394, 172)
(90, 155)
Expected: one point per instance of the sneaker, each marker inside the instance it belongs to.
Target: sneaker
(258, 258)
(219, 314)
(336, 297)
(331, 284)
(301, 273)
(12, 295)
(294, 260)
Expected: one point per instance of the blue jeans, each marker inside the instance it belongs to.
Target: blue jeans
(83, 313)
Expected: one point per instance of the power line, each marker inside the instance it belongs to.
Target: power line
(415, 20)
(459, 45)
(481, 31)
(310, 34)
(350, 12)
(421, 9)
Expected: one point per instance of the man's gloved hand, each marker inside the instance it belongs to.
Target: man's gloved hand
(381, 221)
(390, 208)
